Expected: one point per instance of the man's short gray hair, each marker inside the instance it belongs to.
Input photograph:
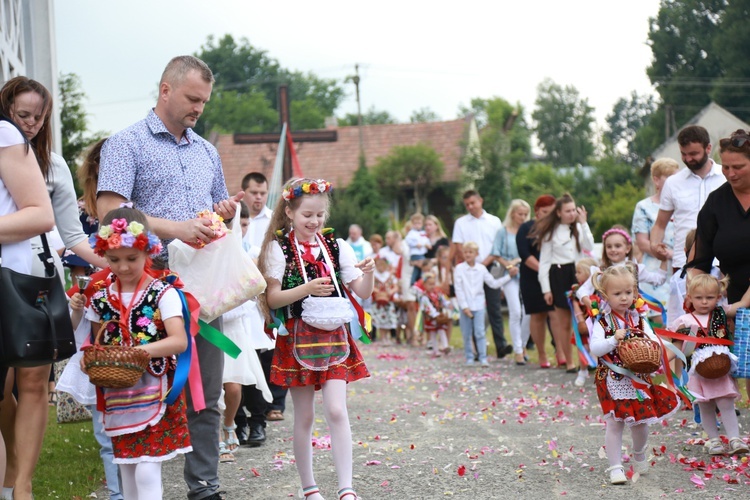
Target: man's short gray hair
(180, 66)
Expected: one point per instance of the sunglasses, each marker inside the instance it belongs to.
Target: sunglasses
(736, 142)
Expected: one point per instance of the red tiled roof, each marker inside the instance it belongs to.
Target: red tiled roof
(337, 161)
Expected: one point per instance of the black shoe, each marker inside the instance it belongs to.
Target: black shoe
(242, 434)
(504, 351)
(257, 436)
(219, 495)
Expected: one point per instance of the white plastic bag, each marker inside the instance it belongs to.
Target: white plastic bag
(221, 275)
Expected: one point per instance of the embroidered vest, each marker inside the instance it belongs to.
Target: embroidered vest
(716, 328)
(145, 322)
(292, 276)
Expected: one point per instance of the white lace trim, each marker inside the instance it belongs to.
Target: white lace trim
(147, 458)
(622, 389)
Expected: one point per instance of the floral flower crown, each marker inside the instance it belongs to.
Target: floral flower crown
(120, 234)
(306, 187)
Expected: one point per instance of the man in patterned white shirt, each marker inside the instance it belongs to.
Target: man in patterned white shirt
(171, 173)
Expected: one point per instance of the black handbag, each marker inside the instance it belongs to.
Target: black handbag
(35, 325)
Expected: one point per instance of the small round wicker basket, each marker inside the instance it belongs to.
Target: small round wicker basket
(715, 366)
(113, 366)
(640, 355)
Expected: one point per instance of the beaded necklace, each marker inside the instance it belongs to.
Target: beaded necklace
(297, 262)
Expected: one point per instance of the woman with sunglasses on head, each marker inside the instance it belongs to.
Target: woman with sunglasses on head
(29, 104)
(724, 221)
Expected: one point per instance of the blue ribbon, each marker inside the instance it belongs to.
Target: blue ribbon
(183, 359)
(579, 341)
(277, 322)
(658, 303)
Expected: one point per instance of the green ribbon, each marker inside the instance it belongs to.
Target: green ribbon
(218, 339)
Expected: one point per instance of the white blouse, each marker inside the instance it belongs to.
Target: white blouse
(561, 249)
(16, 256)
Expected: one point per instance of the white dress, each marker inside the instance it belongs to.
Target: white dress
(246, 369)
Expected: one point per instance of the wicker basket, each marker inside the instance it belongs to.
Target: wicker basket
(443, 319)
(113, 366)
(640, 355)
(714, 366)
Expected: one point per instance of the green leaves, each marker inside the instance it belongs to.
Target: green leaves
(563, 124)
(418, 167)
(245, 97)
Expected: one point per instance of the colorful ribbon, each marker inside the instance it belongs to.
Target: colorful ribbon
(361, 326)
(655, 305)
(182, 371)
(585, 355)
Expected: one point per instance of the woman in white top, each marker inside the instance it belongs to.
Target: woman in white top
(562, 237)
(29, 104)
(25, 212)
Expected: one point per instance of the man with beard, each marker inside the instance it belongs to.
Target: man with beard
(682, 197)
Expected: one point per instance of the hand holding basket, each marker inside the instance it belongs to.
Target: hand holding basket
(639, 354)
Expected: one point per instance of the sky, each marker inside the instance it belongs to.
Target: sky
(412, 54)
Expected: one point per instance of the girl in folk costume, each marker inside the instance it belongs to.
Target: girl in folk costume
(138, 310)
(386, 288)
(306, 269)
(436, 313)
(709, 321)
(626, 398)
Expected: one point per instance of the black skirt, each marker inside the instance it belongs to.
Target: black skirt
(531, 292)
(562, 277)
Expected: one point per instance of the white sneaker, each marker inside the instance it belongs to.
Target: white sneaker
(617, 475)
(581, 378)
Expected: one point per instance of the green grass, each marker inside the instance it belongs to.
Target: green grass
(69, 466)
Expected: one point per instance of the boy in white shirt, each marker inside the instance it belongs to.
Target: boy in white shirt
(469, 279)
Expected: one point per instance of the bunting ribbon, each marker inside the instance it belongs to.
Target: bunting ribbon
(677, 385)
(655, 305)
(361, 326)
(637, 382)
(585, 355)
(277, 323)
(184, 359)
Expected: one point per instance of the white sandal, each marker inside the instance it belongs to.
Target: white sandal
(617, 475)
(640, 466)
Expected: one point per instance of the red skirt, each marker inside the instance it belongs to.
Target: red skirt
(663, 402)
(286, 371)
(159, 442)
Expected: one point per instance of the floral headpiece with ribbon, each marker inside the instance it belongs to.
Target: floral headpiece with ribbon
(121, 234)
(306, 186)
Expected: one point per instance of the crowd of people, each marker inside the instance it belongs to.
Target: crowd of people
(144, 186)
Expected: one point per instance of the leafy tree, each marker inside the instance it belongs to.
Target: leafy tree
(533, 180)
(424, 115)
(416, 167)
(563, 124)
(359, 203)
(732, 89)
(627, 118)
(616, 207)
(242, 70)
(594, 187)
(684, 62)
(73, 122)
(230, 111)
(371, 117)
(505, 141)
